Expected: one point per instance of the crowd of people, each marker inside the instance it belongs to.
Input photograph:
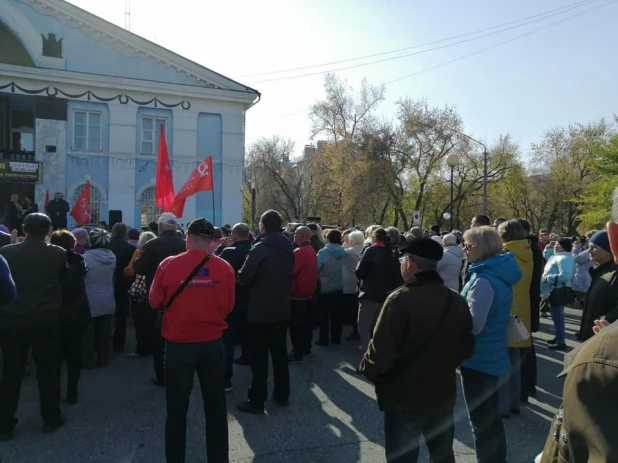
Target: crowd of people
(421, 305)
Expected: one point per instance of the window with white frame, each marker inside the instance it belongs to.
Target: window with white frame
(95, 201)
(151, 133)
(149, 212)
(87, 130)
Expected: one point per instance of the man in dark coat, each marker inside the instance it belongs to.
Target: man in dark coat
(168, 243)
(423, 327)
(268, 274)
(123, 250)
(528, 355)
(57, 210)
(32, 320)
(13, 214)
(602, 297)
(234, 250)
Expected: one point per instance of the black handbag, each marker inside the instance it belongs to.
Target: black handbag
(183, 285)
(561, 296)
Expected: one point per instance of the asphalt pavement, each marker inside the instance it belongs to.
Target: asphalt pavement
(332, 416)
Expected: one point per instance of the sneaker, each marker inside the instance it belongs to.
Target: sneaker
(228, 385)
(133, 355)
(53, 427)
(557, 347)
(248, 407)
(293, 359)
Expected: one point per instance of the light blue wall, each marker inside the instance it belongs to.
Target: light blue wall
(169, 130)
(86, 54)
(210, 143)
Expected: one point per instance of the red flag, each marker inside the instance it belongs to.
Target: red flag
(46, 199)
(199, 180)
(81, 208)
(164, 193)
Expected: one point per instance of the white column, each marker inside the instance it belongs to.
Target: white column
(122, 144)
(50, 133)
(232, 172)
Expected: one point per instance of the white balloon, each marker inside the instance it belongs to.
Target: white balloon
(446, 216)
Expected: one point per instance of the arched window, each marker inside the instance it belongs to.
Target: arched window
(95, 201)
(148, 207)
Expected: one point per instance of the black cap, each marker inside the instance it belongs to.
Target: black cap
(435, 228)
(313, 226)
(201, 227)
(423, 247)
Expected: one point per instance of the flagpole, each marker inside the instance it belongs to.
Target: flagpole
(214, 219)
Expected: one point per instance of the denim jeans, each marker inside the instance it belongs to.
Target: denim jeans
(229, 345)
(510, 384)
(557, 315)
(182, 361)
(403, 430)
(481, 394)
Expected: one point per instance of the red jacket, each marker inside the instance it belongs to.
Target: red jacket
(198, 314)
(305, 273)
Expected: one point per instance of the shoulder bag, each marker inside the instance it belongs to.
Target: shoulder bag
(183, 285)
(561, 296)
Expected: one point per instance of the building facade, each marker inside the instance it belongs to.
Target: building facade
(84, 100)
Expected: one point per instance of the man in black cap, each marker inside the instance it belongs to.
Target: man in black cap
(193, 326)
(32, 321)
(423, 333)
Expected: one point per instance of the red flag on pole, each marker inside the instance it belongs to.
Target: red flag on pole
(81, 208)
(46, 198)
(199, 180)
(164, 193)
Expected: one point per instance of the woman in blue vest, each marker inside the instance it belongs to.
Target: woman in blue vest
(489, 293)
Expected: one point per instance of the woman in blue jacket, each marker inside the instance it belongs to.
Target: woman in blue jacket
(330, 273)
(489, 293)
(558, 272)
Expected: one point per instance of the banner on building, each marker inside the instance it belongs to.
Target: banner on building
(14, 171)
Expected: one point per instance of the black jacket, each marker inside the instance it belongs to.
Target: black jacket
(268, 274)
(236, 256)
(12, 217)
(75, 307)
(379, 273)
(601, 299)
(38, 269)
(5, 239)
(535, 285)
(123, 250)
(155, 251)
(57, 211)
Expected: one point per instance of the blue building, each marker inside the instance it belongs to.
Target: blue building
(84, 100)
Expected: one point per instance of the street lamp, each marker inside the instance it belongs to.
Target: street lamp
(452, 160)
(485, 154)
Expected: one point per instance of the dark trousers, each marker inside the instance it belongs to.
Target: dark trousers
(158, 355)
(45, 343)
(97, 339)
(403, 431)
(331, 313)
(269, 338)
(143, 319)
(71, 350)
(481, 394)
(182, 361)
(528, 371)
(229, 344)
(243, 336)
(301, 332)
(120, 319)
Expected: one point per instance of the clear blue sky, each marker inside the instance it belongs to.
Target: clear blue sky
(564, 74)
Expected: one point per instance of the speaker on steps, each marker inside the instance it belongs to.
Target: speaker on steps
(114, 218)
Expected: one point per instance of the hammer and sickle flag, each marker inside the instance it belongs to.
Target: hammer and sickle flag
(199, 180)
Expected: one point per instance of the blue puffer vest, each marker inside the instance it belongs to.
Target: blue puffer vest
(490, 351)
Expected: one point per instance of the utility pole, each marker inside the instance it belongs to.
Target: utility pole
(127, 15)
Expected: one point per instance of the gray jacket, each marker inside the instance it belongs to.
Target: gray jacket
(350, 261)
(581, 278)
(101, 264)
(330, 268)
(449, 266)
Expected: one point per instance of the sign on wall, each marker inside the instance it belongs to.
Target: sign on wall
(15, 171)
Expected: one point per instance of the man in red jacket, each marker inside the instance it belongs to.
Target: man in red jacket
(193, 326)
(302, 291)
